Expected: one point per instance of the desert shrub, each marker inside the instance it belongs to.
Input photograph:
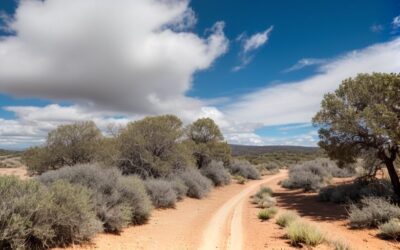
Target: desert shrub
(161, 193)
(198, 185)
(371, 212)
(268, 213)
(216, 172)
(353, 192)
(244, 169)
(310, 176)
(263, 198)
(240, 179)
(133, 192)
(179, 187)
(390, 229)
(33, 216)
(67, 145)
(339, 244)
(286, 218)
(300, 232)
(118, 200)
(268, 168)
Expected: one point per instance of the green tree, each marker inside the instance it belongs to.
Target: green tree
(67, 145)
(208, 142)
(363, 115)
(153, 146)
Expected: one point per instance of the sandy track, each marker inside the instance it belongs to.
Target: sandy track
(225, 229)
(215, 221)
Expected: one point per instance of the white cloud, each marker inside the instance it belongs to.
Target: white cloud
(396, 22)
(376, 28)
(121, 55)
(250, 44)
(297, 102)
(305, 62)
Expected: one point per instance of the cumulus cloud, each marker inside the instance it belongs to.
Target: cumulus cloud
(130, 56)
(297, 102)
(305, 62)
(250, 44)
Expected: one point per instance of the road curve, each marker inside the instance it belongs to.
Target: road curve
(225, 228)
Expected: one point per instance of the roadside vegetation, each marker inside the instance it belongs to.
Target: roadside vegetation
(84, 182)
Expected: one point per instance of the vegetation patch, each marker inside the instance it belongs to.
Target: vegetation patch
(161, 192)
(300, 232)
(119, 200)
(244, 169)
(33, 216)
(390, 229)
(217, 173)
(198, 185)
(371, 212)
(268, 213)
(286, 218)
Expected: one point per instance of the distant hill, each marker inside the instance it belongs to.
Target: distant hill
(283, 155)
(238, 150)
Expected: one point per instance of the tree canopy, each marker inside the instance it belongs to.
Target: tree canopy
(363, 115)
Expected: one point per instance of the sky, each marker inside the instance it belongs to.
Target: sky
(259, 69)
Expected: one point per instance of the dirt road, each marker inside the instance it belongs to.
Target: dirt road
(211, 223)
(227, 220)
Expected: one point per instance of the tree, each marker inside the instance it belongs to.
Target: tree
(152, 147)
(363, 115)
(67, 145)
(208, 142)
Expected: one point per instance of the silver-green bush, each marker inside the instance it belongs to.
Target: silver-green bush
(244, 169)
(372, 211)
(217, 173)
(198, 185)
(33, 216)
(119, 200)
(390, 229)
(161, 192)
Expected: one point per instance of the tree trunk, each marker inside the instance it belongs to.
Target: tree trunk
(394, 177)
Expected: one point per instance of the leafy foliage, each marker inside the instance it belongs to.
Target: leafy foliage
(150, 147)
(67, 145)
(302, 232)
(267, 214)
(363, 115)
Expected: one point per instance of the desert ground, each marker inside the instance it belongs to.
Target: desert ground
(227, 220)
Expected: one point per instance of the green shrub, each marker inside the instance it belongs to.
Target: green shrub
(371, 212)
(286, 218)
(244, 169)
(268, 213)
(161, 193)
(198, 185)
(33, 216)
(216, 172)
(390, 229)
(118, 200)
(67, 145)
(300, 232)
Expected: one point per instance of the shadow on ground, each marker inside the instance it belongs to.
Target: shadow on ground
(307, 204)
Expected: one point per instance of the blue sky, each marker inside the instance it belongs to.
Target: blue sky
(259, 69)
